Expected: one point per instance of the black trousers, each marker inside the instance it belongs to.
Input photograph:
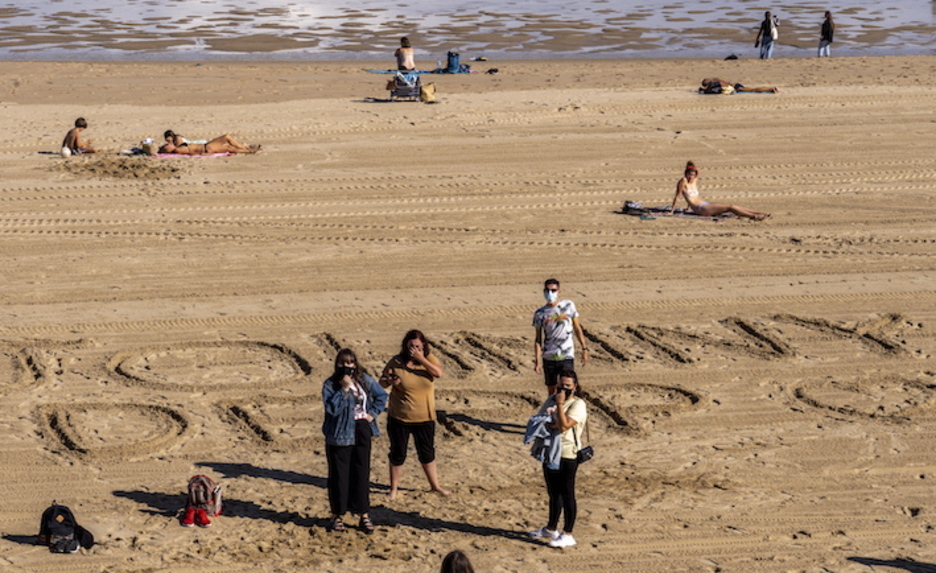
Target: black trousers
(349, 472)
(560, 484)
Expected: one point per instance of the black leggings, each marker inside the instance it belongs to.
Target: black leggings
(560, 484)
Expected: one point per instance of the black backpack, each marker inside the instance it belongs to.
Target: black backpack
(60, 531)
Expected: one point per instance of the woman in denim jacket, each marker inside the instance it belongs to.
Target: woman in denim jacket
(353, 400)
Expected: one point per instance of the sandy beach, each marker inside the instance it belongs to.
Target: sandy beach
(762, 395)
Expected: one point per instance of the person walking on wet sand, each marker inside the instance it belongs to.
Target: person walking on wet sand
(825, 35)
(73, 144)
(553, 348)
(766, 35)
(410, 378)
(687, 188)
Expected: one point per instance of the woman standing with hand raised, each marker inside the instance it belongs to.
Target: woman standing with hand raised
(410, 376)
(353, 400)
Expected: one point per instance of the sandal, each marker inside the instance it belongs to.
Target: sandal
(335, 524)
(365, 525)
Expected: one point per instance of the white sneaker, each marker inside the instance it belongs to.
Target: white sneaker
(544, 533)
(564, 540)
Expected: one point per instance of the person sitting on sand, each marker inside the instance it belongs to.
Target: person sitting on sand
(178, 145)
(687, 188)
(73, 142)
(405, 56)
(720, 86)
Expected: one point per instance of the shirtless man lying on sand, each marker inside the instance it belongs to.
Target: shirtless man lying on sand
(718, 85)
(225, 144)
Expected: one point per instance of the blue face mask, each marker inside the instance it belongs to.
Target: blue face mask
(551, 296)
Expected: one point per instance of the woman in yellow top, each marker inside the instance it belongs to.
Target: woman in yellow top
(410, 378)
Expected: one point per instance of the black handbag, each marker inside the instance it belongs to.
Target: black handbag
(586, 453)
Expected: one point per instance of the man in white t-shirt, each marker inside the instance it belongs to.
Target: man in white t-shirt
(556, 323)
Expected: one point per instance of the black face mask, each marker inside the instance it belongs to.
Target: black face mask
(343, 371)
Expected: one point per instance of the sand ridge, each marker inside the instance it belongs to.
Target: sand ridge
(761, 394)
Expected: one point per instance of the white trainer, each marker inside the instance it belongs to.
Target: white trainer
(564, 540)
(544, 533)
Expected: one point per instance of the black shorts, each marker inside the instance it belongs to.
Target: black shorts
(552, 368)
(423, 437)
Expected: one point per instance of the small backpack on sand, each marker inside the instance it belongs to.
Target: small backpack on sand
(204, 493)
(202, 502)
(60, 531)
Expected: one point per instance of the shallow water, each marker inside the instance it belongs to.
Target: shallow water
(370, 29)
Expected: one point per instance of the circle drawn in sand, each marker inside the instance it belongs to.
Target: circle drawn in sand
(285, 424)
(884, 397)
(112, 430)
(633, 404)
(213, 365)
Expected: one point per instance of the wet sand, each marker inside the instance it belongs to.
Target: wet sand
(761, 393)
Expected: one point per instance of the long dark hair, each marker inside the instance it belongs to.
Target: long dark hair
(456, 562)
(357, 375)
(569, 373)
(414, 335)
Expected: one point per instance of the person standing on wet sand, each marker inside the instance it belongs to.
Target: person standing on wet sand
(825, 35)
(553, 348)
(410, 378)
(766, 35)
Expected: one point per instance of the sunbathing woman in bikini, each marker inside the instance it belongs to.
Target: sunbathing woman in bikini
(690, 192)
(225, 144)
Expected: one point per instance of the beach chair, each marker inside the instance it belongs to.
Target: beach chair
(406, 85)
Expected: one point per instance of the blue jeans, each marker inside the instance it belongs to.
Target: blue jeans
(766, 48)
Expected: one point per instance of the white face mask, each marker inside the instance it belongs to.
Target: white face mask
(551, 296)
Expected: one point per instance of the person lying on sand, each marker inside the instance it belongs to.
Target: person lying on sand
(688, 189)
(224, 144)
(73, 142)
(720, 86)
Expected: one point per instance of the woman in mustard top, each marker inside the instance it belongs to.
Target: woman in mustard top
(410, 378)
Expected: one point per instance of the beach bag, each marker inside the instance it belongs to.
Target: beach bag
(427, 93)
(773, 31)
(204, 493)
(632, 207)
(60, 531)
(453, 65)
